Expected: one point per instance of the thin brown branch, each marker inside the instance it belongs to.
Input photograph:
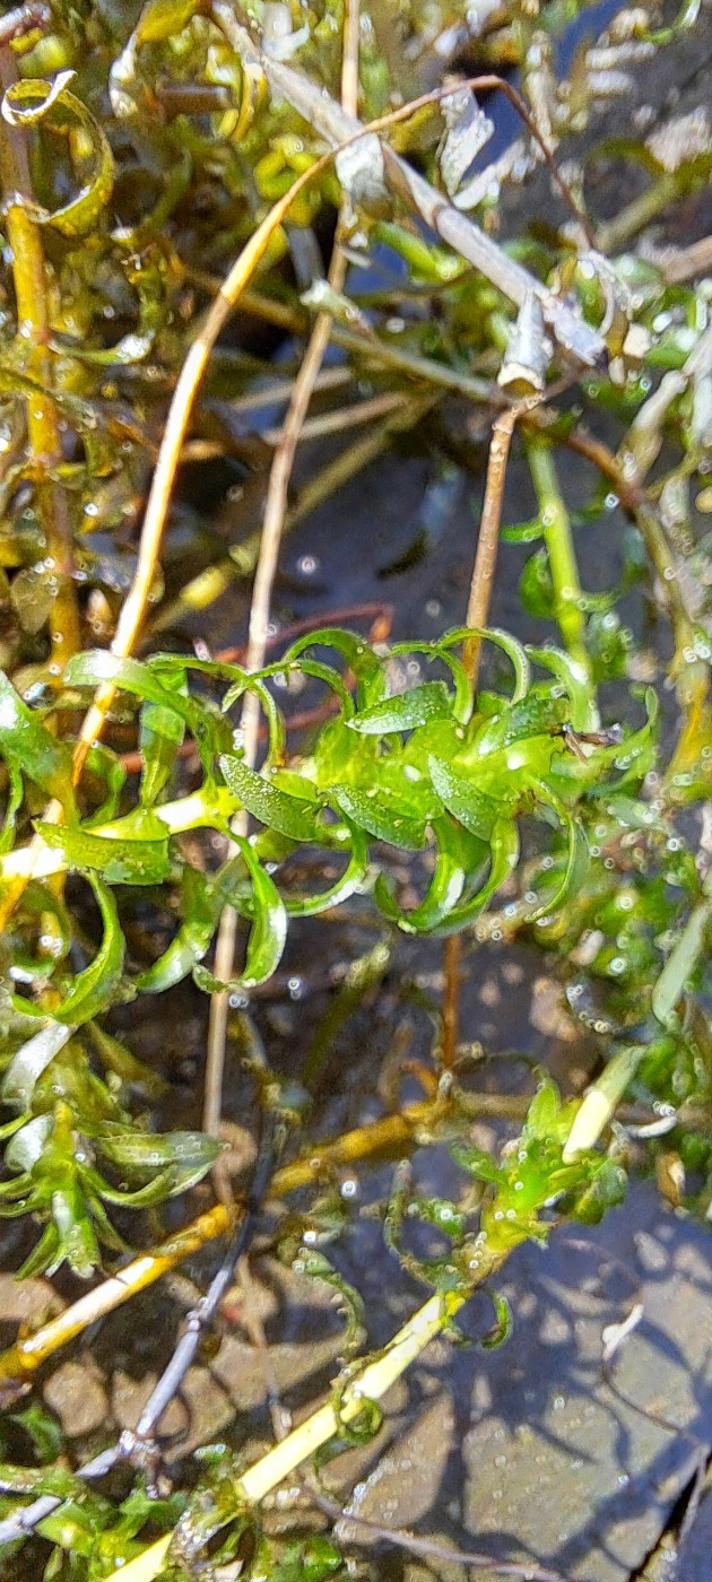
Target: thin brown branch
(485, 565)
(272, 529)
(478, 607)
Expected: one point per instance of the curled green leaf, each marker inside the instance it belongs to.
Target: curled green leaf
(31, 101)
(267, 935)
(31, 749)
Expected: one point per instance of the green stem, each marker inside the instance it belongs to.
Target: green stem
(560, 549)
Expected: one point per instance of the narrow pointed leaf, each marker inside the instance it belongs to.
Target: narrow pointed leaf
(381, 817)
(288, 814)
(186, 1156)
(94, 988)
(477, 811)
(406, 711)
(352, 879)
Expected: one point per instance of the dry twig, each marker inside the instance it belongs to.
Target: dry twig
(272, 527)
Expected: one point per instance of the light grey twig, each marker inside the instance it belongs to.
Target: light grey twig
(332, 123)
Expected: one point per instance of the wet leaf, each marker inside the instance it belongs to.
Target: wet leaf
(183, 1158)
(31, 749)
(140, 856)
(267, 935)
(404, 712)
(477, 811)
(30, 101)
(290, 815)
(95, 987)
(381, 816)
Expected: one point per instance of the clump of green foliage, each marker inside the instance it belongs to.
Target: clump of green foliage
(140, 150)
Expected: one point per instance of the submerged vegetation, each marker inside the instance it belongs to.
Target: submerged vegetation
(197, 231)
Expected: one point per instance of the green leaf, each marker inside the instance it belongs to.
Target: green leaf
(314, 1264)
(161, 734)
(288, 814)
(541, 713)
(109, 769)
(94, 988)
(311, 1560)
(545, 1116)
(76, 1237)
(514, 650)
(523, 532)
(119, 1060)
(164, 19)
(13, 803)
(406, 711)
(184, 1157)
(504, 855)
(32, 750)
(366, 665)
(577, 854)
(42, 1429)
(477, 811)
(605, 1189)
(32, 100)
(536, 589)
(477, 1163)
(446, 885)
(25, 1068)
(98, 666)
(130, 859)
(461, 704)
(39, 1480)
(503, 1325)
(584, 712)
(381, 816)
(352, 879)
(201, 912)
(267, 935)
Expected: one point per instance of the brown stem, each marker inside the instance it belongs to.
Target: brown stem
(478, 606)
(266, 570)
(485, 565)
(43, 429)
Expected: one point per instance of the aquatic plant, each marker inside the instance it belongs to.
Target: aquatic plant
(164, 809)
